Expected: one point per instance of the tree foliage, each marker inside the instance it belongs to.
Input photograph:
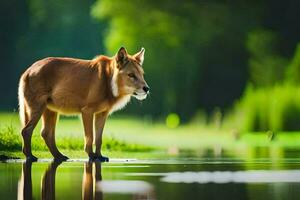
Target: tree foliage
(200, 55)
(195, 54)
(35, 29)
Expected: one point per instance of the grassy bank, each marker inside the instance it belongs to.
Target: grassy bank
(124, 136)
(69, 139)
(10, 140)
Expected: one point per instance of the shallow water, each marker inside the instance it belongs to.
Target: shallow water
(190, 178)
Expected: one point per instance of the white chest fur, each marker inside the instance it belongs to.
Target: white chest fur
(121, 103)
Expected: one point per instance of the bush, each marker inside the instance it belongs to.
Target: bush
(276, 108)
(9, 140)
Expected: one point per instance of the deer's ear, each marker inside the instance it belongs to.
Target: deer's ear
(140, 56)
(121, 56)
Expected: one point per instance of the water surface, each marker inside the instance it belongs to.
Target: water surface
(184, 178)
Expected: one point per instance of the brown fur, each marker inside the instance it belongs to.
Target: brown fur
(67, 85)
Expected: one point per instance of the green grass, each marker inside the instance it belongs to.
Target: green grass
(125, 136)
(10, 140)
(69, 136)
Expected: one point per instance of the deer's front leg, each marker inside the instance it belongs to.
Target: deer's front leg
(100, 119)
(87, 119)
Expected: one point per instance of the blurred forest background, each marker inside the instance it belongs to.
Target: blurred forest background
(229, 63)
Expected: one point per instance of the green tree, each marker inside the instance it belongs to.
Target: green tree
(195, 56)
(34, 29)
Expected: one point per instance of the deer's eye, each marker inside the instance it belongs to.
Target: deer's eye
(131, 75)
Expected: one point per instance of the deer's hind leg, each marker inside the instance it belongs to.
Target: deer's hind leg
(33, 116)
(49, 119)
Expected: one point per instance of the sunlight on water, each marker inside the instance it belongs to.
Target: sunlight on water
(125, 187)
(292, 176)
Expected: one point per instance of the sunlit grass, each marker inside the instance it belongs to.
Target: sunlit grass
(69, 136)
(125, 136)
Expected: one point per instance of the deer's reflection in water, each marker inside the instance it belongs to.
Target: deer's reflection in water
(25, 182)
(48, 181)
(47, 186)
(90, 176)
(92, 184)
